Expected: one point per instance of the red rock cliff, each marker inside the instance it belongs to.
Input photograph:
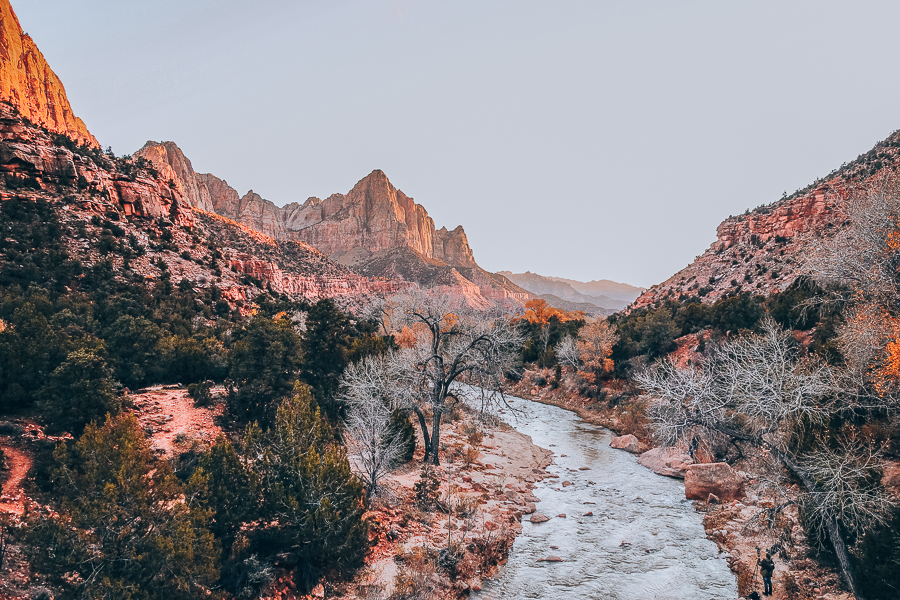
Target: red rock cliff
(764, 250)
(28, 83)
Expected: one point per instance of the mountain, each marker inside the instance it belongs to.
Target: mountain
(101, 202)
(618, 297)
(375, 229)
(763, 250)
(29, 84)
(604, 287)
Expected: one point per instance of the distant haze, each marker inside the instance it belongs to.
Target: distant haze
(582, 139)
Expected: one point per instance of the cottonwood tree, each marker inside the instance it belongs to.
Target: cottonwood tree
(372, 440)
(446, 343)
(861, 266)
(759, 391)
(567, 352)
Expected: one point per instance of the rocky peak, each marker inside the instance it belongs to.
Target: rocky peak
(29, 84)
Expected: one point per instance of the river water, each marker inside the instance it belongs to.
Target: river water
(643, 542)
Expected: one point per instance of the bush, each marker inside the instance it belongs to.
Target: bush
(310, 499)
(79, 391)
(200, 393)
(427, 488)
(403, 433)
(122, 513)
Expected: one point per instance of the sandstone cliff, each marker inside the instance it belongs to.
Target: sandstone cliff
(28, 83)
(151, 211)
(375, 229)
(763, 250)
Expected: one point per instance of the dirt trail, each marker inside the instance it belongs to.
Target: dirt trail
(170, 413)
(13, 498)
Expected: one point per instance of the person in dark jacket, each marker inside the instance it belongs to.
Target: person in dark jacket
(767, 569)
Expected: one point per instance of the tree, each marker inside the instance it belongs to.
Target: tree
(759, 391)
(122, 529)
(595, 343)
(326, 344)
(263, 366)
(311, 503)
(372, 442)
(226, 487)
(131, 342)
(567, 352)
(79, 391)
(453, 343)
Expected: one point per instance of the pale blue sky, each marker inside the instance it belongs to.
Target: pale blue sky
(581, 139)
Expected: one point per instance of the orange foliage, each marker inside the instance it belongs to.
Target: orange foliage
(406, 338)
(537, 311)
(887, 374)
(595, 344)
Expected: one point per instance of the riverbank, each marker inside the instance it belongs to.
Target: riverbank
(446, 550)
(738, 528)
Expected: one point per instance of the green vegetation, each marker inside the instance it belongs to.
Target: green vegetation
(651, 332)
(123, 525)
(123, 529)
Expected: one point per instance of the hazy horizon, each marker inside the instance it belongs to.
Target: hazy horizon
(583, 140)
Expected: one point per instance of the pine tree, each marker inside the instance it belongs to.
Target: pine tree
(309, 494)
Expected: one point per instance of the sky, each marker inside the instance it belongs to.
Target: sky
(581, 139)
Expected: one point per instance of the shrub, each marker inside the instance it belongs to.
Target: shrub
(200, 393)
(310, 499)
(404, 433)
(79, 391)
(121, 513)
(428, 487)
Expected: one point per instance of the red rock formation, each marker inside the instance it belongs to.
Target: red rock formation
(174, 166)
(718, 479)
(28, 83)
(27, 154)
(762, 251)
(375, 229)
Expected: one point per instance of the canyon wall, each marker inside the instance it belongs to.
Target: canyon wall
(764, 250)
(28, 83)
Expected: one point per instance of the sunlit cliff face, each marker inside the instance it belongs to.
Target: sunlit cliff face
(27, 82)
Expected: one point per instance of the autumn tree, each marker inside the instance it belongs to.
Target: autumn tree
(594, 344)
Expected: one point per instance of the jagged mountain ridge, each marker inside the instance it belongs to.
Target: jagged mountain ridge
(565, 289)
(28, 83)
(763, 250)
(375, 229)
(92, 193)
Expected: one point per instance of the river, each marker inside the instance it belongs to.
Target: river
(644, 540)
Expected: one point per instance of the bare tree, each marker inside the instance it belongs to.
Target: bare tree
(567, 351)
(374, 448)
(759, 391)
(454, 344)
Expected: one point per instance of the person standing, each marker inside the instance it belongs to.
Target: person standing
(767, 569)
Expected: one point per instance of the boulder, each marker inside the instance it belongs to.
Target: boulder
(629, 443)
(538, 518)
(529, 508)
(670, 462)
(718, 479)
(551, 558)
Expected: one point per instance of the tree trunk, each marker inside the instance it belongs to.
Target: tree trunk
(436, 436)
(426, 439)
(834, 529)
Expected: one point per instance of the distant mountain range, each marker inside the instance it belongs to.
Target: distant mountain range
(608, 296)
